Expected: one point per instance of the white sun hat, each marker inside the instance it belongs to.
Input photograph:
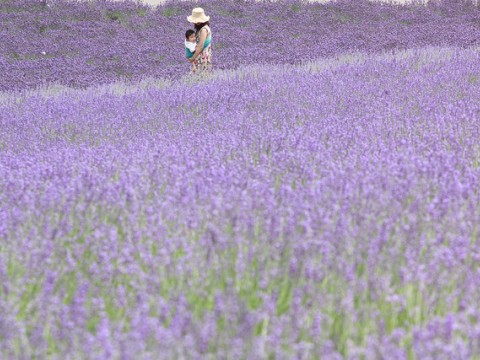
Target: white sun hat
(198, 16)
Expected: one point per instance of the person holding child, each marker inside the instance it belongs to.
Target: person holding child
(198, 43)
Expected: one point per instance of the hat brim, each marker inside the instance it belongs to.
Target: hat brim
(196, 20)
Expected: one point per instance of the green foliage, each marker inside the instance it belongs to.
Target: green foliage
(296, 8)
(47, 334)
(262, 327)
(15, 269)
(115, 15)
(171, 11)
(69, 283)
(285, 297)
(28, 296)
(92, 323)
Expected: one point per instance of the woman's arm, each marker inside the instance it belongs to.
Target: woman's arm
(201, 42)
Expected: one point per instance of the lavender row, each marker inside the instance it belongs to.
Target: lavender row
(83, 43)
(295, 212)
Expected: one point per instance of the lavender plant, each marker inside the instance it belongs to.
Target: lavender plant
(84, 43)
(315, 211)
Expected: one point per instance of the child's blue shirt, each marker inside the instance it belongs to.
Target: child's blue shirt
(189, 53)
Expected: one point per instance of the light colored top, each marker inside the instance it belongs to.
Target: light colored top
(190, 48)
(190, 45)
(208, 40)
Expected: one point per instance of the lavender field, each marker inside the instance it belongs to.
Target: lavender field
(83, 43)
(320, 206)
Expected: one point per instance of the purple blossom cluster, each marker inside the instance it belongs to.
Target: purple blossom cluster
(84, 43)
(317, 211)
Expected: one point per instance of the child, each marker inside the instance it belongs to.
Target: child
(190, 43)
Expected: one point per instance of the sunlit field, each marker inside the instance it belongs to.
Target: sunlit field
(324, 208)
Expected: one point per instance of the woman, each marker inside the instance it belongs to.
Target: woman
(202, 58)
